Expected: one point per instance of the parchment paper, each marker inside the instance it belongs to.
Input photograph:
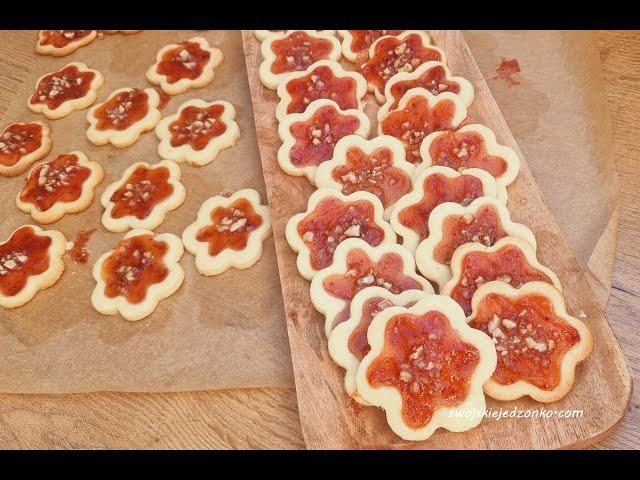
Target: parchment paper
(229, 331)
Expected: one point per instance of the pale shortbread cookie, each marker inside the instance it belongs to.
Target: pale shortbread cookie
(423, 367)
(365, 305)
(185, 58)
(315, 78)
(298, 55)
(142, 193)
(26, 248)
(404, 81)
(380, 176)
(348, 49)
(439, 272)
(71, 80)
(59, 178)
(73, 39)
(17, 153)
(535, 338)
(466, 158)
(262, 34)
(319, 134)
(137, 263)
(123, 102)
(239, 218)
(390, 266)
(413, 199)
(355, 227)
(197, 124)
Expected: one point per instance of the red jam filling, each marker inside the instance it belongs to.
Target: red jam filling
(358, 343)
(141, 192)
(59, 87)
(133, 267)
(187, 60)
(19, 140)
(483, 227)
(393, 55)
(361, 40)
(438, 189)
(230, 226)
(508, 265)
(60, 180)
(417, 120)
(333, 221)
(197, 126)
(79, 252)
(297, 51)
(362, 272)
(122, 110)
(318, 84)
(531, 340)
(62, 38)
(316, 138)
(433, 79)
(372, 173)
(25, 254)
(460, 150)
(427, 362)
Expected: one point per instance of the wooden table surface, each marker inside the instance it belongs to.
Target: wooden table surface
(268, 418)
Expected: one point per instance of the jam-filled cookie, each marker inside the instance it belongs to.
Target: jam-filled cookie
(22, 144)
(356, 43)
(59, 43)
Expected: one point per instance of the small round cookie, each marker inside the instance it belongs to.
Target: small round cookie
(197, 132)
(143, 196)
(22, 144)
(63, 185)
(71, 88)
(123, 117)
(134, 277)
(228, 232)
(59, 43)
(30, 261)
(426, 368)
(185, 65)
(538, 343)
(294, 51)
(356, 43)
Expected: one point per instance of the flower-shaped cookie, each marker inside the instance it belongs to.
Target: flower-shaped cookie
(389, 55)
(21, 144)
(64, 185)
(357, 42)
(59, 93)
(331, 218)
(30, 260)
(308, 138)
(197, 132)
(434, 77)
(485, 221)
(426, 368)
(510, 260)
(348, 342)
(63, 42)
(262, 34)
(294, 51)
(356, 266)
(420, 113)
(377, 166)
(142, 270)
(538, 343)
(324, 79)
(436, 185)
(228, 232)
(185, 65)
(123, 117)
(142, 197)
(472, 146)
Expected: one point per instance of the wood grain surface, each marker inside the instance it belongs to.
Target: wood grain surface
(268, 418)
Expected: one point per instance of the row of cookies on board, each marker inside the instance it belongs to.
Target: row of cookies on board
(499, 323)
(143, 269)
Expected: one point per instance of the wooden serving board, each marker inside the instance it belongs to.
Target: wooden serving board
(603, 383)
